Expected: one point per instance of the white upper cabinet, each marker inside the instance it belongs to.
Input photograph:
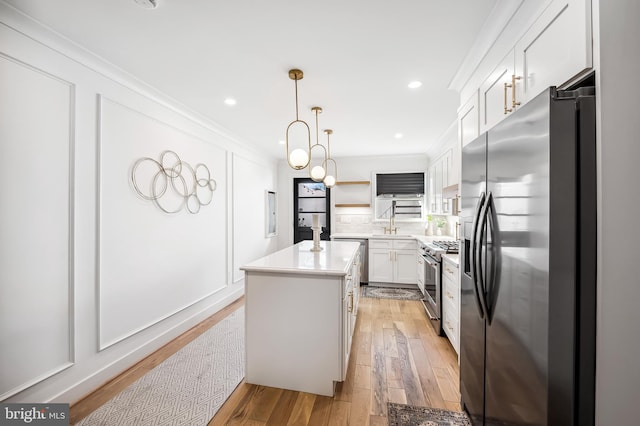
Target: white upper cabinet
(555, 49)
(440, 176)
(496, 94)
(469, 120)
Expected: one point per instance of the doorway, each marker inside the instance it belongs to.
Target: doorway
(310, 198)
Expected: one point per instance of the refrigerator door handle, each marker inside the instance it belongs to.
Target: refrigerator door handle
(481, 289)
(474, 250)
(494, 249)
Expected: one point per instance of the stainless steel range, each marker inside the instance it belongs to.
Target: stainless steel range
(431, 284)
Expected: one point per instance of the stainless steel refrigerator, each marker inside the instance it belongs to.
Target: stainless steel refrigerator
(527, 314)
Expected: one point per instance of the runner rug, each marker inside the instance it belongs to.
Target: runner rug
(411, 415)
(391, 293)
(188, 388)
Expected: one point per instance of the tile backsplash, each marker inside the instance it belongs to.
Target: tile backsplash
(363, 223)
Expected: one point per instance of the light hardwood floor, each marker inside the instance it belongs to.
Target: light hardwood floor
(395, 357)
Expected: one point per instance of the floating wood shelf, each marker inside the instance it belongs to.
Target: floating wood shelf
(353, 182)
(353, 205)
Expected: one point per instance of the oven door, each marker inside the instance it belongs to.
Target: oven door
(432, 300)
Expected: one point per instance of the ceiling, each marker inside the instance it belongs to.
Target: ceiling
(357, 56)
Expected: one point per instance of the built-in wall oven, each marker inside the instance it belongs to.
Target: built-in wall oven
(431, 285)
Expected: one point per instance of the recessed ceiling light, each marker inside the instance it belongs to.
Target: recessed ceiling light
(415, 84)
(230, 101)
(281, 142)
(398, 135)
(148, 4)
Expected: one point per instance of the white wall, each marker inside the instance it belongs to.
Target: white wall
(618, 347)
(92, 276)
(349, 169)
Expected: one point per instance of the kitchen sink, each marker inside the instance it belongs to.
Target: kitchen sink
(398, 236)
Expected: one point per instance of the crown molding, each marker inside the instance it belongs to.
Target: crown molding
(500, 16)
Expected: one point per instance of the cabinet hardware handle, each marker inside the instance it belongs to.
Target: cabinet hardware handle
(350, 308)
(506, 110)
(449, 295)
(514, 104)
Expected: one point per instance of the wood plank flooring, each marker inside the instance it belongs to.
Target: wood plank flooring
(395, 357)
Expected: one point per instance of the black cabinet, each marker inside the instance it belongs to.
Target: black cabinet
(310, 198)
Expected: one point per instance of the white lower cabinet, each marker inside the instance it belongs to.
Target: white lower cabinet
(420, 271)
(392, 261)
(451, 302)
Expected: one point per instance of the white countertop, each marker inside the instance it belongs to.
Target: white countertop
(334, 259)
(418, 237)
(453, 257)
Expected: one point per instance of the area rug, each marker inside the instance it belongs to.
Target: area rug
(411, 415)
(391, 293)
(188, 388)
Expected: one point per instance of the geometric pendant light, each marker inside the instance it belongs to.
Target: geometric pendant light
(317, 172)
(330, 165)
(299, 150)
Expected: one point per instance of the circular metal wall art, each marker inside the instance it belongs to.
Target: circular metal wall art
(173, 184)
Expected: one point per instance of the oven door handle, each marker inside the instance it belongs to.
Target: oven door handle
(429, 259)
(473, 252)
(431, 317)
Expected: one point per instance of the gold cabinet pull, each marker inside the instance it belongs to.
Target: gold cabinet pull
(514, 104)
(506, 110)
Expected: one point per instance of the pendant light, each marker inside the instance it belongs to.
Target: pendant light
(318, 172)
(332, 176)
(298, 158)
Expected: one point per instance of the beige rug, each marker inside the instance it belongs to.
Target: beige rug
(188, 388)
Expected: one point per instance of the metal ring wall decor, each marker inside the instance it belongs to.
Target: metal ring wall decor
(192, 186)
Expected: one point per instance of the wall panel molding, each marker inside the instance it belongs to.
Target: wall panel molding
(36, 224)
(172, 261)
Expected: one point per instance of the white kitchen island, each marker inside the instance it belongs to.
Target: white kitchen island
(300, 315)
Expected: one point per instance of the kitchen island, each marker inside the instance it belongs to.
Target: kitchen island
(300, 314)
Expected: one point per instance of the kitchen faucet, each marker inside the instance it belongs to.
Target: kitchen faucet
(392, 216)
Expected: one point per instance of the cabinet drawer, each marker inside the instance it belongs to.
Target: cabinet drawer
(404, 244)
(382, 244)
(449, 270)
(450, 293)
(451, 328)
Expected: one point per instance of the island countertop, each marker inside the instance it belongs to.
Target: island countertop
(334, 259)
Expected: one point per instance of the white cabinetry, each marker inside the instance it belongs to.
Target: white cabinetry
(469, 120)
(496, 94)
(420, 271)
(555, 50)
(277, 289)
(349, 311)
(439, 177)
(392, 261)
(451, 302)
